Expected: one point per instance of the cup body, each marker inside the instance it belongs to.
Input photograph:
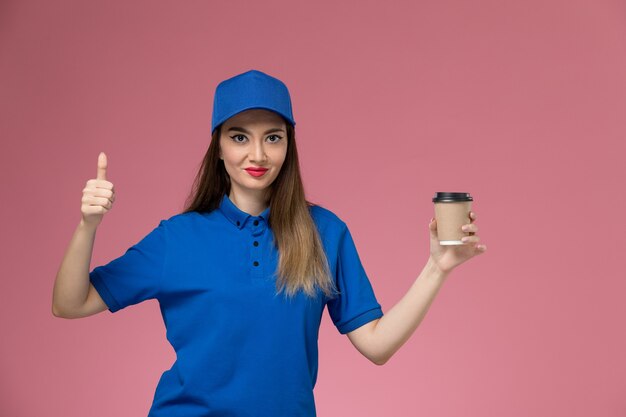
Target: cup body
(452, 211)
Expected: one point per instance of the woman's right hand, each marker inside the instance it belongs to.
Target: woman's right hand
(98, 195)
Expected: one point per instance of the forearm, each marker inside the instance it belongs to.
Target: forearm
(71, 285)
(398, 324)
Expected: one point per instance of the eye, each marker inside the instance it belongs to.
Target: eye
(276, 136)
(236, 136)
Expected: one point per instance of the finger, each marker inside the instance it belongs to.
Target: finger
(469, 227)
(102, 166)
(480, 248)
(470, 239)
(103, 192)
(97, 201)
(432, 227)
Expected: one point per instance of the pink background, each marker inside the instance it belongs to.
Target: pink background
(522, 104)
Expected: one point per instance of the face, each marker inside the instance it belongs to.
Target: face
(251, 139)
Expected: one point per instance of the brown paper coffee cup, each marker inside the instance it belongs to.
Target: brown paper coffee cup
(452, 212)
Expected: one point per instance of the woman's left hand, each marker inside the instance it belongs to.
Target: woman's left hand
(448, 257)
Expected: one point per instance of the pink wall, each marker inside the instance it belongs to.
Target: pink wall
(520, 103)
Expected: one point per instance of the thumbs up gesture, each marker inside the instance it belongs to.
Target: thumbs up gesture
(98, 195)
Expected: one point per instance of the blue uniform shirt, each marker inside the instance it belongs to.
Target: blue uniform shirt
(241, 350)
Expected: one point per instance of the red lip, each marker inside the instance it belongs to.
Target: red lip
(256, 169)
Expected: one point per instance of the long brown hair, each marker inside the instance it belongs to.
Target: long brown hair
(302, 261)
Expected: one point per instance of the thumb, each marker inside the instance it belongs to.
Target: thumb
(102, 166)
(433, 226)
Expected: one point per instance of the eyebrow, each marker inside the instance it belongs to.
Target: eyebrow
(241, 129)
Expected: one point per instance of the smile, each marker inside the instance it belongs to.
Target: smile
(256, 173)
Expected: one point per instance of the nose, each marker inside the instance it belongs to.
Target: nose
(258, 151)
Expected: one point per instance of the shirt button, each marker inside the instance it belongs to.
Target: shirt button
(256, 263)
(256, 243)
(256, 222)
(237, 222)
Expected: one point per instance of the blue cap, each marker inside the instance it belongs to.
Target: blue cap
(250, 90)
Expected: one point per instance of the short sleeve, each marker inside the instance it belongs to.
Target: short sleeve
(136, 275)
(356, 304)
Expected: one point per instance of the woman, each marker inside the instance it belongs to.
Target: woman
(243, 274)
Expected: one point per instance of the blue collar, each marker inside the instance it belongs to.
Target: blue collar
(237, 216)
